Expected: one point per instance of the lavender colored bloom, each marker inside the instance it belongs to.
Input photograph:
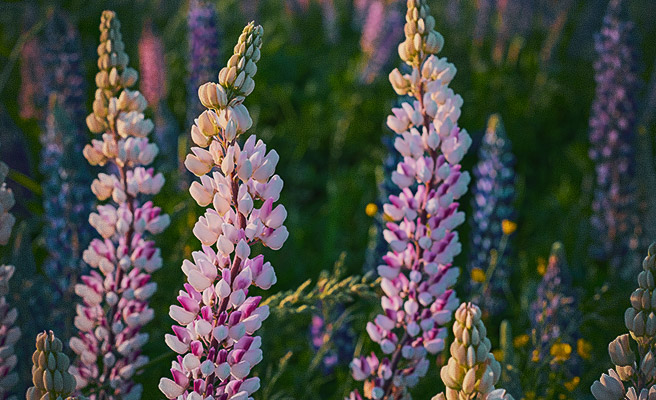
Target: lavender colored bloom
(202, 22)
(338, 339)
(31, 97)
(330, 22)
(555, 318)
(492, 203)
(153, 87)
(217, 317)
(9, 334)
(418, 275)
(613, 140)
(115, 293)
(382, 31)
(67, 197)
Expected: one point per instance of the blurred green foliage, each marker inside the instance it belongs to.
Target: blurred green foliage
(310, 106)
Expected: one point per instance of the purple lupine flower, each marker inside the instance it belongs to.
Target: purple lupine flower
(115, 294)
(217, 319)
(418, 275)
(338, 339)
(153, 87)
(492, 203)
(380, 36)
(555, 317)
(67, 199)
(330, 22)
(31, 96)
(202, 22)
(360, 11)
(152, 65)
(9, 334)
(613, 141)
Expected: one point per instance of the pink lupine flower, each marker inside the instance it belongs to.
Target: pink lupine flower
(115, 294)
(417, 274)
(217, 319)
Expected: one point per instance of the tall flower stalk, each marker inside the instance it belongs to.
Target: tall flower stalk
(50, 374)
(202, 22)
(382, 30)
(492, 203)
(612, 142)
(67, 198)
(153, 86)
(9, 334)
(418, 275)
(115, 294)
(472, 371)
(555, 322)
(634, 375)
(217, 319)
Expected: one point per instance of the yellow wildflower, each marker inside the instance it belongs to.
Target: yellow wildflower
(508, 227)
(498, 354)
(584, 348)
(521, 340)
(542, 266)
(571, 385)
(560, 351)
(371, 209)
(535, 357)
(478, 275)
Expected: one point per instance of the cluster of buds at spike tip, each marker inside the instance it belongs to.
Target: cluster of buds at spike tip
(216, 318)
(7, 201)
(236, 79)
(421, 38)
(472, 370)
(50, 375)
(115, 294)
(634, 375)
(417, 274)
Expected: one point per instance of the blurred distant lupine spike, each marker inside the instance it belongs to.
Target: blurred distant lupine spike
(613, 140)
(9, 334)
(217, 319)
(330, 20)
(153, 86)
(555, 317)
(67, 198)
(472, 371)
(7, 201)
(50, 375)
(634, 375)
(202, 22)
(115, 294)
(33, 76)
(418, 276)
(492, 204)
(152, 66)
(382, 30)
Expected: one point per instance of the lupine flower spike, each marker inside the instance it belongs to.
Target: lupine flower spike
(383, 28)
(9, 334)
(418, 276)
(50, 375)
(217, 319)
(67, 198)
(115, 294)
(492, 204)
(634, 375)
(202, 22)
(613, 140)
(555, 322)
(472, 370)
